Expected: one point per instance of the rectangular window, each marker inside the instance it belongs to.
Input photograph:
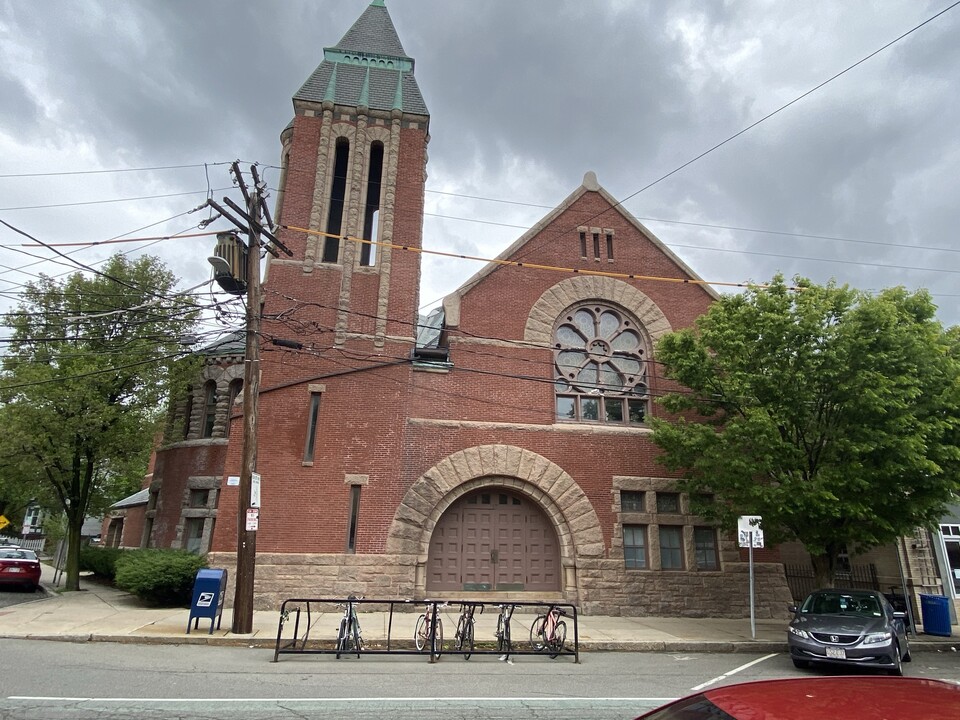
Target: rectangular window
(354, 517)
(609, 246)
(705, 540)
(631, 500)
(635, 546)
(312, 427)
(671, 547)
(590, 408)
(638, 410)
(199, 498)
(614, 409)
(566, 407)
(668, 502)
(193, 535)
(583, 244)
(596, 246)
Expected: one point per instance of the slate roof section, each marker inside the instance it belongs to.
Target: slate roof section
(370, 60)
(138, 498)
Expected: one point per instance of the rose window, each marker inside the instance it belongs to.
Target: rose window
(600, 367)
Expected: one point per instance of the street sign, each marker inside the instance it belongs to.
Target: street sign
(255, 490)
(748, 529)
(3, 522)
(253, 519)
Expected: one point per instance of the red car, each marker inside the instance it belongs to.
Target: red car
(19, 566)
(819, 698)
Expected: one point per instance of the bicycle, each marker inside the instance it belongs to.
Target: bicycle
(349, 639)
(503, 630)
(423, 633)
(549, 632)
(465, 627)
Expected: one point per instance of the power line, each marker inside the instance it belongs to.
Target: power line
(111, 170)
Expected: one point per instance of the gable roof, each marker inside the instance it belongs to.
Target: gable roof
(451, 303)
(138, 498)
(367, 68)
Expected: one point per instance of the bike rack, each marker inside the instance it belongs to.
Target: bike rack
(308, 611)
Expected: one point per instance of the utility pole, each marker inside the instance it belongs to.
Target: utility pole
(247, 511)
(247, 538)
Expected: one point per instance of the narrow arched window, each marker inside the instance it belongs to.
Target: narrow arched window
(234, 391)
(600, 366)
(371, 212)
(209, 408)
(338, 194)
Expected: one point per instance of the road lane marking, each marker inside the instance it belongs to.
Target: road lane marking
(708, 683)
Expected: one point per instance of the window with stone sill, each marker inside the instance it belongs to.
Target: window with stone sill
(600, 367)
(668, 502)
(671, 547)
(631, 500)
(635, 546)
(705, 544)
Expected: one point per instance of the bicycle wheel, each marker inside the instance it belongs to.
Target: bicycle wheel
(501, 640)
(467, 640)
(357, 638)
(421, 635)
(459, 637)
(438, 639)
(342, 637)
(536, 633)
(559, 637)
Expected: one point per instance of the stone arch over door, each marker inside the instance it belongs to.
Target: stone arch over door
(505, 466)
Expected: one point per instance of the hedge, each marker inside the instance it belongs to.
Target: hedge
(159, 577)
(101, 561)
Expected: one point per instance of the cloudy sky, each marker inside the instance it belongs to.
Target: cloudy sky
(857, 181)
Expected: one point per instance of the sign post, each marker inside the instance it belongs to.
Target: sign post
(750, 535)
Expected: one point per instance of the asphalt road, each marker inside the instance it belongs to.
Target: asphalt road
(14, 595)
(80, 681)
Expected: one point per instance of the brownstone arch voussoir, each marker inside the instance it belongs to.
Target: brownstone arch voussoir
(544, 313)
(573, 517)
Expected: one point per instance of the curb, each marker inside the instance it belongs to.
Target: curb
(642, 646)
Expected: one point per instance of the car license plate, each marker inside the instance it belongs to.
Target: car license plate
(836, 653)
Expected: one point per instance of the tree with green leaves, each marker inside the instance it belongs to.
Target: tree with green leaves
(89, 363)
(831, 413)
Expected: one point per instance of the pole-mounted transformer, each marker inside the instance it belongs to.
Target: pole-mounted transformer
(229, 262)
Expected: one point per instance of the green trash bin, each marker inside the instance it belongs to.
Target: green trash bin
(935, 610)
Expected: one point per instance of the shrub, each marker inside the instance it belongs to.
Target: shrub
(101, 561)
(159, 577)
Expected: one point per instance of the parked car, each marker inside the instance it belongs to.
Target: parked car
(865, 697)
(19, 566)
(848, 627)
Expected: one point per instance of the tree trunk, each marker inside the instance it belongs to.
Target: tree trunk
(74, 528)
(823, 569)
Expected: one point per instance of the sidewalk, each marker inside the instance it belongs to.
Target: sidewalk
(104, 614)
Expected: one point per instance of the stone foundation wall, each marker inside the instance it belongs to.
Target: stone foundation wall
(605, 588)
(281, 576)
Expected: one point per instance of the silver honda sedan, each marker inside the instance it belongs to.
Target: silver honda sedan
(848, 627)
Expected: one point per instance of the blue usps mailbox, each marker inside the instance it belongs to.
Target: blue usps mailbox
(208, 591)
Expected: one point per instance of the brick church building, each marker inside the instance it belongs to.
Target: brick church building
(500, 449)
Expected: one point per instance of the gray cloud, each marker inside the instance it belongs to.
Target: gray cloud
(524, 98)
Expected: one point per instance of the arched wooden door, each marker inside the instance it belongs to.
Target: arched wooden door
(493, 540)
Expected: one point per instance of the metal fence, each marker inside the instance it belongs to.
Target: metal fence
(300, 631)
(801, 581)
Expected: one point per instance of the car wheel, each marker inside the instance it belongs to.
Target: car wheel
(906, 655)
(800, 663)
(897, 669)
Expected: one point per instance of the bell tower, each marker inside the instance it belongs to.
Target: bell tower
(351, 188)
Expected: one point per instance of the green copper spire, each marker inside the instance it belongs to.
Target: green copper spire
(331, 93)
(364, 100)
(367, 68)
(398, 98)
